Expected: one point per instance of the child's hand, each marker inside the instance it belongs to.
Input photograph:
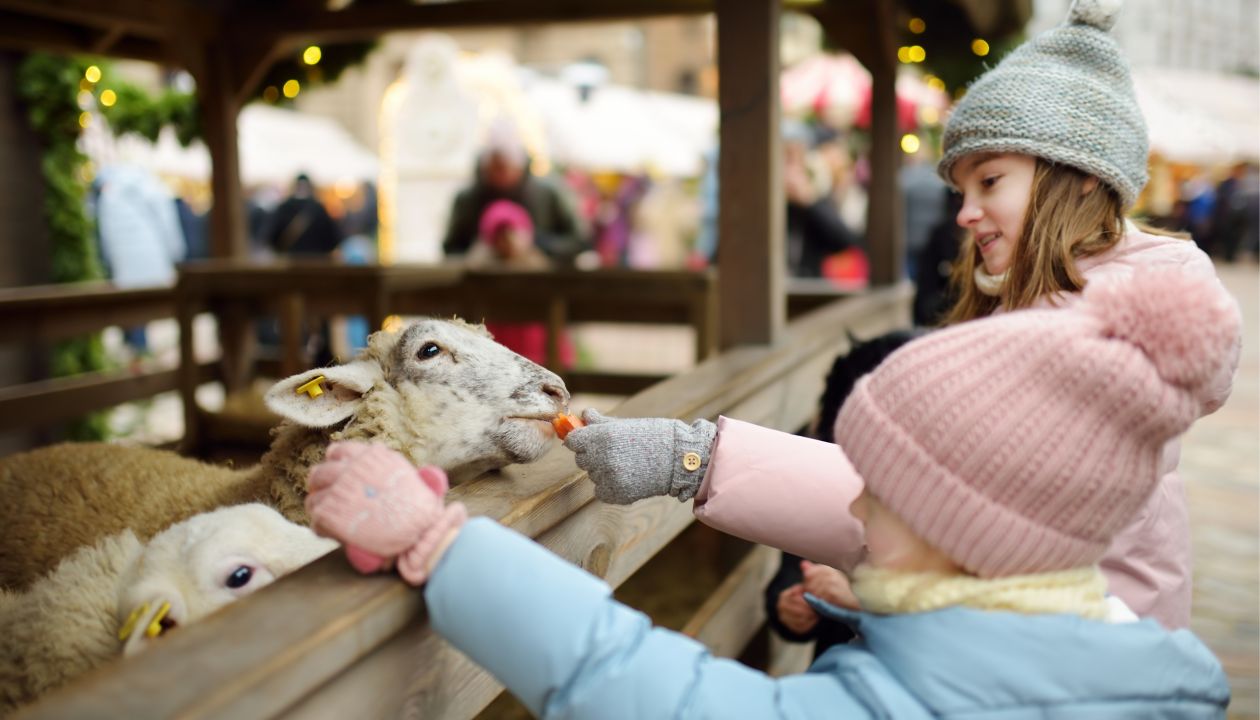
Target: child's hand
(629, 459)
(796, 614)
(381, 506)
(828, 583)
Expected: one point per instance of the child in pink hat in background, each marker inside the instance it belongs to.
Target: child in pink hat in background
(506, 240)
(999, 457)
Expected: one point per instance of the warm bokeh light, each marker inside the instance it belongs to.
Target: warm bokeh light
(85, 119)
(292, 88)
(393, 323)
(929, 115)
(910, 144)
(271, 93)
(935, 83)
(108, 98)
(917, 53)
(917, 26)
(903, 54)
(92, 74)
(312, 54)
(980, 47)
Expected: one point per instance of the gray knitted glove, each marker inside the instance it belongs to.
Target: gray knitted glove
(635, 458)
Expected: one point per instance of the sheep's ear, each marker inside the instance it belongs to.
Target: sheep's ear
(309, 401)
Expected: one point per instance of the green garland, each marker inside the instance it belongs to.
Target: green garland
(49, 86)
(135, 111)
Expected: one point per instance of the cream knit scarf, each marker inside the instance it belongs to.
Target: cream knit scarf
(990, 285)
(1080, 591)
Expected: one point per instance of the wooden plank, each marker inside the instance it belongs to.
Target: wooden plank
(24, 32)
(45, 313)
(139, 16)
(322, 620)
(212, 66)
(44, 402)
(750, 170)
(609, 383)
(362, 21)
(736, 610)
(883, 214)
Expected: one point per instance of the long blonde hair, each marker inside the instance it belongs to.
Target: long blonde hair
(1063, 222)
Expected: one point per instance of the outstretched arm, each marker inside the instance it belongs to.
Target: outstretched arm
(554, 637)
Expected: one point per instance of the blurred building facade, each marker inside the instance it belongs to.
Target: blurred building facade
(671, 54)
(1210, 35)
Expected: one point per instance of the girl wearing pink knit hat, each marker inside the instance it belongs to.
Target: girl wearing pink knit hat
(1001, 457)
(506, 240)
(1049, 150)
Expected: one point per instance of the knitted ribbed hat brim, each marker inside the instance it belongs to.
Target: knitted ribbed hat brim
(942, 509)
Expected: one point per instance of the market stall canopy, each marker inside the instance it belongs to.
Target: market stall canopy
(1200, 118)
(622, 129)
(275, 145)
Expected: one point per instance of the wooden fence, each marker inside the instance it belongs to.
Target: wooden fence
(327, 643)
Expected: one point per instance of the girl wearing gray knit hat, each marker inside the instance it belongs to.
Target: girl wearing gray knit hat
(1049, 151)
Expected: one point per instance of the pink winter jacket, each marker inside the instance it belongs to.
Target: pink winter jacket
(793, 493)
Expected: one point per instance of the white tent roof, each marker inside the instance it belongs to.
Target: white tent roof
(624, 129)
(1199, 117)
(275, 145)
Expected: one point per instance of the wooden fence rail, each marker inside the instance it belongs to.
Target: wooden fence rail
(48, 313)
(325, 642)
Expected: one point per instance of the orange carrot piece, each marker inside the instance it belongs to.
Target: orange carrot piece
(565, 424)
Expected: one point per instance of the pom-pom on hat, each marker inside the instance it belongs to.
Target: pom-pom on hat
(1065, 96)
(1024, 442)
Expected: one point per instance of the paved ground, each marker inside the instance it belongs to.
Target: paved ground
(1220, 460)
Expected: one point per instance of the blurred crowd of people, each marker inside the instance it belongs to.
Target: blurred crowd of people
(1222, 217)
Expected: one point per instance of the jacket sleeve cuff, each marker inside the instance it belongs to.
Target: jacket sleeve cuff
(696, 438)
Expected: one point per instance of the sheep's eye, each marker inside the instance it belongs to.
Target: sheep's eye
(240, 577)
(429, 350)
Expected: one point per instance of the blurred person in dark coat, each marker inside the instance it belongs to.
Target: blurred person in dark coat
(503, 173)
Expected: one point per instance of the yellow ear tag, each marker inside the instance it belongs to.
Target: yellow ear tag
(155, 627)
(313, 387)
(132, 619)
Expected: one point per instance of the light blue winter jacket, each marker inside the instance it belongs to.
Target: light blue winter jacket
(552, 634)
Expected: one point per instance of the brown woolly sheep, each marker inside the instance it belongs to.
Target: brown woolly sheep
(441, 392)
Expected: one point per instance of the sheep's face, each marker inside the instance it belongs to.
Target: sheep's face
(442, 392)
(205, 562)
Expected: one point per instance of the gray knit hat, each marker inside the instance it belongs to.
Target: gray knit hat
(1065, 96)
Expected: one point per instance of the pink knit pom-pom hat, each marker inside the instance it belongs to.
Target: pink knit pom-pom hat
(1025, 442)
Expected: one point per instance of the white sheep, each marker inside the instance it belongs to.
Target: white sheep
(69, 622)
(441, 392)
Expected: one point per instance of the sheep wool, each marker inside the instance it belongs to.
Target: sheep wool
(68, 622)
(405, 391)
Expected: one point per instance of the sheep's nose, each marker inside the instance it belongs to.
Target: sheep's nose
(556, 392)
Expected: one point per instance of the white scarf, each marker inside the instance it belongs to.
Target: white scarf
(990, 285)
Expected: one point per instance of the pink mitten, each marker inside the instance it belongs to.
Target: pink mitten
(380, 506)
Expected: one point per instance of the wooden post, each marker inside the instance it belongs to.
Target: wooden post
(751, 260)
(217, 92)
(884, 220)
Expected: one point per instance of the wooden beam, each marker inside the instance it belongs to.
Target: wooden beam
(55, 312)
(140, 17)
(751, 262)
(369, 20)
(884, 222)
(45, 402)
(30, 33)
(735, 611)
(217, 96)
